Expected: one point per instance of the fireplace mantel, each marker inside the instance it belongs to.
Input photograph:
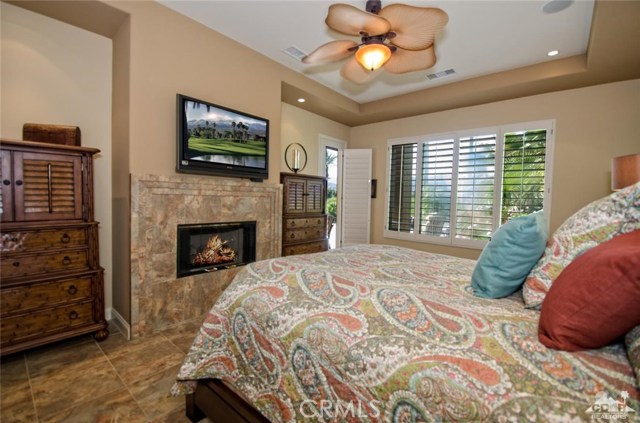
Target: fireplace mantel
(159, 300)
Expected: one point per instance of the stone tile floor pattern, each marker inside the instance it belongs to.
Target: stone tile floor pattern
(82, 380)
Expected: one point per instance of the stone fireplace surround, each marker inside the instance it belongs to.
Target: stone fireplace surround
(159, 300)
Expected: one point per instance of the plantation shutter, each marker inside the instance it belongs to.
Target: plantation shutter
(475, 188)
(523, 173)
(435, 197)
(402, 187)
(356, 197)
(458, 188)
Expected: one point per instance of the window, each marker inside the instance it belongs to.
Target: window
(402, 193)
(458, 188)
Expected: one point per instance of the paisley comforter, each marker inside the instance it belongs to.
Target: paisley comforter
(385, 334)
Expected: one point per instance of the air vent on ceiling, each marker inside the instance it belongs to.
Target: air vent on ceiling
(294, 52)
(441, 74)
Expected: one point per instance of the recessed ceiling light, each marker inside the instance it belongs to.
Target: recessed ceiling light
(555, 6)
(301, 100)
(553, 53)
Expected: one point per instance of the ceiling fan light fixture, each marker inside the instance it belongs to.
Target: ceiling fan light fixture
(373, 56)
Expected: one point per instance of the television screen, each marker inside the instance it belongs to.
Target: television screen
(221, 141)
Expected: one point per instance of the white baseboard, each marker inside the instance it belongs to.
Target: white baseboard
(114, 317)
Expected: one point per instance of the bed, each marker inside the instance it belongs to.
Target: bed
(378, 333)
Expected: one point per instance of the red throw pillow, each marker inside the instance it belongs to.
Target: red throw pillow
(596, 298)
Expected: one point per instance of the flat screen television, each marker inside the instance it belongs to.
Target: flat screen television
(216, 140)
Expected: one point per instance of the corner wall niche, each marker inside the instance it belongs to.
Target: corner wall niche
(159, 299)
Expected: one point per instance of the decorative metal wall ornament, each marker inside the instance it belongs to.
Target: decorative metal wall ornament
(295, 157)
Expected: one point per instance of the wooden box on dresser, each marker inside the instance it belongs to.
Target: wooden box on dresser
(51, 282)
(304, 228)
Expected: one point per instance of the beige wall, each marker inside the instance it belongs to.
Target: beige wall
(121, 203)
(188, 58)
(305, 128)
(57, 73)
(158, 53)
(593, 125)
(172, 54)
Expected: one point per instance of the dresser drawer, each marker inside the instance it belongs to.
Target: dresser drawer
(42, 322)
(305, 222)
(306, 248)
(45, 294)
(25, 265)
(305, 234)
(19, 241)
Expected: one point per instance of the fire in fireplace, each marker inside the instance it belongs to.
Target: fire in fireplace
(215, 246)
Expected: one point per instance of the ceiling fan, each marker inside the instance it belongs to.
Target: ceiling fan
(398, 38)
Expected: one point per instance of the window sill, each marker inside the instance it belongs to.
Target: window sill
(428, 239)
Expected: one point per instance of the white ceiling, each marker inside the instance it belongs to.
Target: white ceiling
(482, 37)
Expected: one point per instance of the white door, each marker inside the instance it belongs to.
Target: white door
(356, 197)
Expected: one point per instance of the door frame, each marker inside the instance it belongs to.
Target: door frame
(325, 141)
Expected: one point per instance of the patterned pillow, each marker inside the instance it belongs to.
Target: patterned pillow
(594, 224)
(632, 341)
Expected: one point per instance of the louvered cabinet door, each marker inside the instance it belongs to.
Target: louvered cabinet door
(6, 189)
(47, 186)
(315, 196)
(294, 195)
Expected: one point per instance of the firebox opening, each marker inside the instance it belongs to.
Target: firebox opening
(215, 246)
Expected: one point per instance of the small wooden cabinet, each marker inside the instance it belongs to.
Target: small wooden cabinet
(304, 228)
(51, 285)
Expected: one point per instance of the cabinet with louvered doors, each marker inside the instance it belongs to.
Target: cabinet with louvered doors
(51, 282)
(304, 228)
(41, 186)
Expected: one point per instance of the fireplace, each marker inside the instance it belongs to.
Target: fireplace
(215, 246)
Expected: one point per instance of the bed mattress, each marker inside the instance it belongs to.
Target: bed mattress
(376, 333)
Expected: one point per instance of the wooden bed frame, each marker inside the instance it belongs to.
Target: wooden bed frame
(213, 399)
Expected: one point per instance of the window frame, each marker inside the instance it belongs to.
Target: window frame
(500, 132)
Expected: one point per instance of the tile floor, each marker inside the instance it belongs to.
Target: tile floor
(81, 380)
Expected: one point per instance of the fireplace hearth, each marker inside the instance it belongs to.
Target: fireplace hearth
(215, 246)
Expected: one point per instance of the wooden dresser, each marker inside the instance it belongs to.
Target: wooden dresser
(304, 228)
(51, 282)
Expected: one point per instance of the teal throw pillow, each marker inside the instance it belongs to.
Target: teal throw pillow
(509, 256)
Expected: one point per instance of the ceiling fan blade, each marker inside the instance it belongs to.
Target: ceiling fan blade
(403, 61)
(415, 27)
(350, 20)
(330, 52)
(354, 72)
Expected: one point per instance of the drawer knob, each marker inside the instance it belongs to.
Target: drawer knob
(18, 182)
(6, 182)
(73, 315)
(16, 264)
(66, 260)
(65, 239)
(72, 290)
(293, 236)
